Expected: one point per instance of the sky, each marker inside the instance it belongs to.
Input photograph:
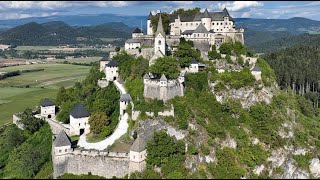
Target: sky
(237, 9)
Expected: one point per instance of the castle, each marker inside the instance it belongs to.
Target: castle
(203, 28)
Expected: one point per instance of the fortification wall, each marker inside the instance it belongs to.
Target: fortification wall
(152, 90)
(56, 126)
(174, 90)
(98, 165)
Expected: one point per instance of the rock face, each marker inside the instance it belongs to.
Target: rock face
(247, 96)
(315, 167)
(147, 127)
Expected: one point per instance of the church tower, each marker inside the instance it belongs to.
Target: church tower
(160, 38)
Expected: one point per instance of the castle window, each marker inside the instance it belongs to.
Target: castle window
(159, 42)
(212, 23)
(181, 24)
(141, 156)
(191, 24)
(196, 24)
(217, 29)
(226, 23)
(60, 151)
(79, 124)
(198, 35)
(221, 23)
(204, 23)
(134, 157)
(186, 24)
(230, 23)
(221, 29)
(65, 150)
(194, 35)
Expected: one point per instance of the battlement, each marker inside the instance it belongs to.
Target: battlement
(162, 89)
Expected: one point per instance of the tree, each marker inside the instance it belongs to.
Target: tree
(165, 22)
(188, 11)
(167, 66)
(62, 95)
(98, 121)
(31, 123)
(117, 49)
(214, 55)
(185, 52)
(226, 48)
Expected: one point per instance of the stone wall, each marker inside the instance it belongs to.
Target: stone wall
(56, 127)
(98, 165)
(101, 163)
(152, 90)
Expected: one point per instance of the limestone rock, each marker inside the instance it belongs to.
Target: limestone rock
(258, 169)
(315, 167)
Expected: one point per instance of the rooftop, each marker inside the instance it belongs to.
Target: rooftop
(112, 63)
(46, 103)
(79, 111)
(62, 140)
(138, 145)
(126, 98)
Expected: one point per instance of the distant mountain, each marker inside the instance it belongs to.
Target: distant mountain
(295, 25)
(286, 42)
(57, 32)
(80, 20)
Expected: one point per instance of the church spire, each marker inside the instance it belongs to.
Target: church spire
(160, 27)
(150, 16)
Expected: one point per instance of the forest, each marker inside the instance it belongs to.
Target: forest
(297, 68)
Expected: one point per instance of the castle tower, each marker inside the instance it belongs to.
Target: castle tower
(163, 88)
(206, 20)
(149, 27)
(48, 109)
(103, 61)
(160, 38)
(79, 120)
(125, 99)
(137, 156)
(111, 70)
(61, 146)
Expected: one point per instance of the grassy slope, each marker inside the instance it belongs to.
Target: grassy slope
(13, 99)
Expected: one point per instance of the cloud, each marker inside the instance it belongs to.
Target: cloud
(239, 5)
(246, 15)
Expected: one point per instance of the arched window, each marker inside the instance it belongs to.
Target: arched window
(198, 35)
(194, 35)
(159, 42)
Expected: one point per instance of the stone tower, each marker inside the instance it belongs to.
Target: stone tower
(163, 87)
(206, 20)
(61, 147)
(149, 27)
(160, 38)
(138, 154)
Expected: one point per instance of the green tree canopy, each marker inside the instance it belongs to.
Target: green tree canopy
(165, 65)
(98, 121)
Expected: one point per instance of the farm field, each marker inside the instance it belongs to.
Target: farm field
(14, 99)
(57, 48)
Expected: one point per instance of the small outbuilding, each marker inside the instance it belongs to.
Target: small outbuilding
(79, 120)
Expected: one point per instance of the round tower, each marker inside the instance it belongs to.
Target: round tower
(149, 27)
(206, 20)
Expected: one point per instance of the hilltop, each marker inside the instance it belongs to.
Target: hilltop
(57, 33)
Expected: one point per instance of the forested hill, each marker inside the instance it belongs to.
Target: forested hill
(297, 68)
(277, 42)
(57, 32)
(296, 25)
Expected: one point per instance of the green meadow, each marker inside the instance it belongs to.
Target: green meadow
(41, 84)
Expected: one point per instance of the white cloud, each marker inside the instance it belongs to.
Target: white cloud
(182, 2)
(246, 15)
(238, 5)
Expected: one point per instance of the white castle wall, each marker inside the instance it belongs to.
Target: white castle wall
(48, 110)
(79, 123)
